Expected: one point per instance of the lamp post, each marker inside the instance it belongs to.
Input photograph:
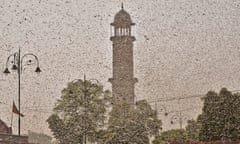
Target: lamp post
(18, 63)
(179, 117)
(85, 90)
(161, 108)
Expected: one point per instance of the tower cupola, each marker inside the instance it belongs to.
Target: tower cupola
(122, 23)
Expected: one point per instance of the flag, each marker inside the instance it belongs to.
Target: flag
(15, 110)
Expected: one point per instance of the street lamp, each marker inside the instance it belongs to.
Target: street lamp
(18, 63)
(85, 90)
(179, 117)
(161, 109)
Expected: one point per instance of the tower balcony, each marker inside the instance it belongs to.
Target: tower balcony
(112, 80)
(127, 38)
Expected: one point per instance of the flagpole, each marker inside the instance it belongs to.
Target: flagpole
(11, 118)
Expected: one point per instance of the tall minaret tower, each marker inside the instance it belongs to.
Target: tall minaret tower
(123, 80)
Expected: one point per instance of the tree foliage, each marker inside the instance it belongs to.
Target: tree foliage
(175, 135)
(81, 111)
(220, 117)
(131, 125)
(190, 133)
(193, 130)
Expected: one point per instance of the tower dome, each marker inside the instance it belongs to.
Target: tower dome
(122, 19)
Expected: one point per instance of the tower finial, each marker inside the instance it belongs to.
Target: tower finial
(122, 4)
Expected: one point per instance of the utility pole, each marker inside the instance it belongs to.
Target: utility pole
(85, 104)
(180, 120)
(85, 109)
(19, 91)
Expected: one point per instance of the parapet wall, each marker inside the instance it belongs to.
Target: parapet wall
(13, 139)
(216, 142)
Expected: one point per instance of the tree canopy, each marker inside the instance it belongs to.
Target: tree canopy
(129, 124)
(193, 130)
(219, 121)
(220, 117)
(175, 135)
(79, 113)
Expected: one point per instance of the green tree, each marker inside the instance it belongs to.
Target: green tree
(192, 130)
(79, 113)
(175, 135)
(130, 124)
(220, 117)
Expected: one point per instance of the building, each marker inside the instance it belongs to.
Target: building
(123, 81)
(4, 129)
(6, 136)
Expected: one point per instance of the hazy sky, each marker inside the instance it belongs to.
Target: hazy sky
(183, 48)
